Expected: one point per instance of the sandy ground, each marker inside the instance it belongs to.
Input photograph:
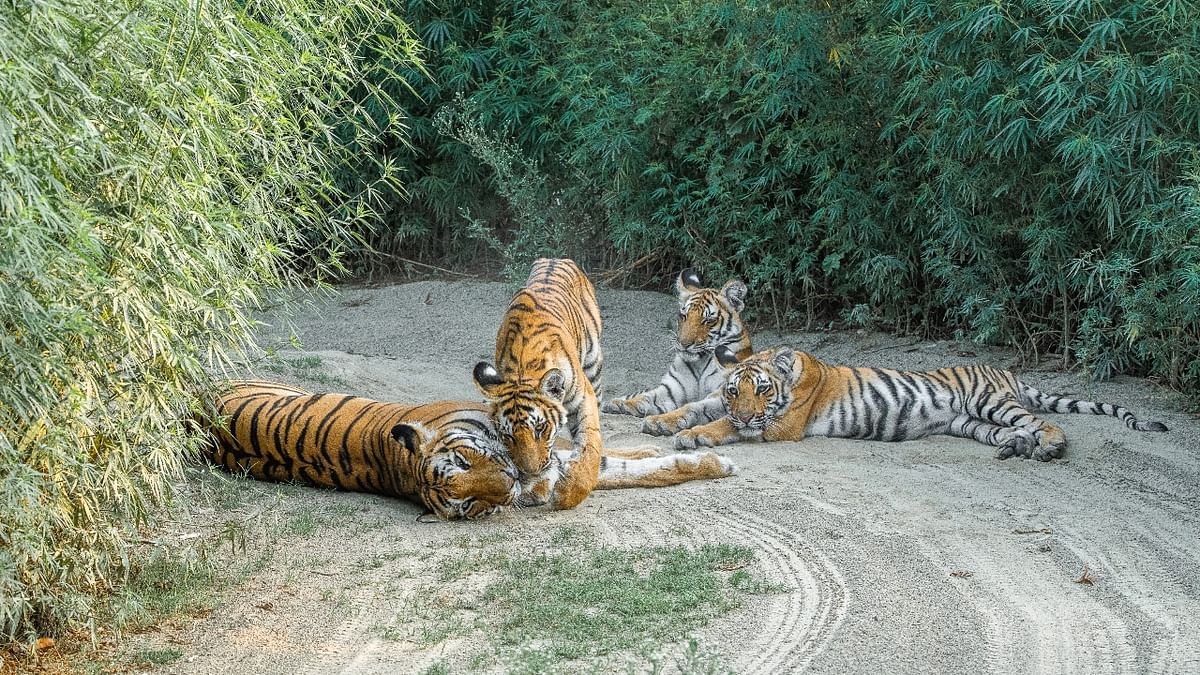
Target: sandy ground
(923, 556)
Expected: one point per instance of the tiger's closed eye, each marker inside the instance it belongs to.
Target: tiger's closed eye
(461, 462)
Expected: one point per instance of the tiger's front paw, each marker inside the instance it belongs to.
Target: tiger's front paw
(617, 406)
(534, 492)
(660, 425)
(638, 406)
(688, 439)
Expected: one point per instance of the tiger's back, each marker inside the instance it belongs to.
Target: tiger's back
(554, 317)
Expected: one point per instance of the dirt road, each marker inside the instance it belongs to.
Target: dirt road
(920, 556)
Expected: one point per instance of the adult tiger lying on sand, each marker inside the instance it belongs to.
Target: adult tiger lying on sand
(443, 455)
(784, 395)
(708, 318)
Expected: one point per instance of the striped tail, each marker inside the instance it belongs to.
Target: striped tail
(1036, 400)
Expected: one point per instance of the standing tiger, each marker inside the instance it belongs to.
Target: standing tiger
(785, 395)
(444, 455)
(545, 379)
(708, 318)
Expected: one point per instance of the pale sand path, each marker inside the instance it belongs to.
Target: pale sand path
(863, 535)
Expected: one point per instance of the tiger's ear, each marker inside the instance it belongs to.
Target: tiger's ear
(784, 360)
(411, 436)
(735, 291)
(486, 377)
(553, 384)
(725, 356)
(687, 283)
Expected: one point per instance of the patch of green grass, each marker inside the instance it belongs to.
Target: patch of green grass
(219, 488)
(584, 607)
(564, 536)
(170, 583)
(608, 600)
(479, 661)
(456, 567)
(303, 523)
(743, 581)
(533, 662)
(305, 367)
(439, 668)
(160, 657)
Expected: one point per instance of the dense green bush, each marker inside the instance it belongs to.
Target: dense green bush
(1024, 173)
(164, 164)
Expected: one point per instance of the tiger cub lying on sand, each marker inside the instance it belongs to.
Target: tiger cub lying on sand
(708, 318)
(785, 395)
(444, 455)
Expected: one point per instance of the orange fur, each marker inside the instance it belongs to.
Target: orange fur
(442, 455)
(547, 371)
(785, 395)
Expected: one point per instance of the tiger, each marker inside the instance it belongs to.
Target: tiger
(708, 318)
(547, 372)
(441, 455)
(784, 395)
(445, 456)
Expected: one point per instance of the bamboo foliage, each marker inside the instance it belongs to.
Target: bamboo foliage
(164, 165)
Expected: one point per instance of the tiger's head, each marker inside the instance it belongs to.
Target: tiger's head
(459, 473)
(758, 389)
(527, 413)
(708, 317)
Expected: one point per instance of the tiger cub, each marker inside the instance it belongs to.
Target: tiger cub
(708, 318)
(545, 379)
(444, 456)
(785, 395)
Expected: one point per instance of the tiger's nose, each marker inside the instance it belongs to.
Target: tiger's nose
(745, 419)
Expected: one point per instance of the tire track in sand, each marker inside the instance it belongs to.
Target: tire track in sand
(1144, 577)
(1035, 617)
(795, 629)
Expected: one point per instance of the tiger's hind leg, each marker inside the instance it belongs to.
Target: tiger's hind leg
(631, 453)
(662, 471)
(1010, 440)
(1004, 409)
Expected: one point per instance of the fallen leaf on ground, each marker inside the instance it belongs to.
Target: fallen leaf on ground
(1084, 578)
